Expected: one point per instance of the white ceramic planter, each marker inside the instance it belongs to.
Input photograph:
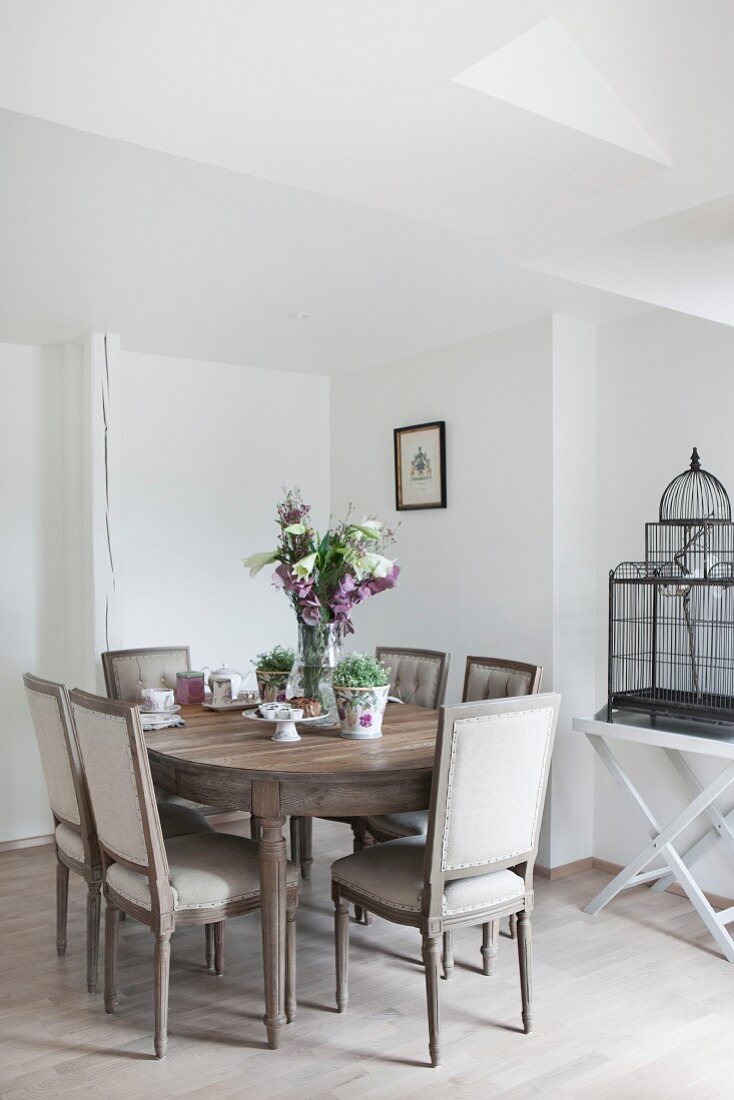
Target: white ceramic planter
(360, 711)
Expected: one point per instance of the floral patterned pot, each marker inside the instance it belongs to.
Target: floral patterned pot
(361, 710)
(272, 685)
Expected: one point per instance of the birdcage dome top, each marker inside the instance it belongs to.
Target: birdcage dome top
(695, 495)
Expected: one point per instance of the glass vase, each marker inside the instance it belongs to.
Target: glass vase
(319, 650)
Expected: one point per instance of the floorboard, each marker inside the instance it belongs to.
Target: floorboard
(632, 1003)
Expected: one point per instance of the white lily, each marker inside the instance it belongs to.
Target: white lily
(304, 567)
(377, 565)
(295, 529)
(256, 562)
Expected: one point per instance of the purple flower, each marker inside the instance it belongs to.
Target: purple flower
(372, 586)
(365, 719)
(342, 711)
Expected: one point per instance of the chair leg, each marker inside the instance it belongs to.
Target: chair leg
(218, 947)
(162, 967)
(255, 830)
(513, 926)
(62, 905)
(290, 964)
(295, 827)
(431, 961)
(525, 955)
(306, 847)
(490, 945)
(341, 929)
(94, 901)
(448, 955)
(360, 914)
(111, 937)
(209, 946)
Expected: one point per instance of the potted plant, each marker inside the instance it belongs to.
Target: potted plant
(272, 669)
(361, 684)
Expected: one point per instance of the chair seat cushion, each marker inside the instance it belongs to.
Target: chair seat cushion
(180, 820)
(392, 873)
(205, 871)
(70, 842)
(414, 823)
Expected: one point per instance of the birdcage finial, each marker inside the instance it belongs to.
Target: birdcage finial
(695, 460)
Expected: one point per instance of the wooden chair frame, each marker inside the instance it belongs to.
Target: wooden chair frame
(162, 918)
(109, 657)
(431, 922)
(91, 870)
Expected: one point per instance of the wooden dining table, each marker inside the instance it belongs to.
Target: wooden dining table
(225, 759)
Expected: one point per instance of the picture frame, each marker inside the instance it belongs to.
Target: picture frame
(420, 466)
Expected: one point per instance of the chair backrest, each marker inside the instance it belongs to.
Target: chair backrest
(128, 671)
(495, 678)
(120, 787)
(49, 706)
(489, 784)
(417, 676)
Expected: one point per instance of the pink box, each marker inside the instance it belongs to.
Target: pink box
(189, 687)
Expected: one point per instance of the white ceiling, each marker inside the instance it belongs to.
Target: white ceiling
(404, 186)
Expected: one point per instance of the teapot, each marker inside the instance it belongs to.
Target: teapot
(224, 673)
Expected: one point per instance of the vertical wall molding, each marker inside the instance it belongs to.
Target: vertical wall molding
(90, 486)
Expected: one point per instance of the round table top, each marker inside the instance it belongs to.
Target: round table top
(229, 741)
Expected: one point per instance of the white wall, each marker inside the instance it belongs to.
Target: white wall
(665, 383)
(206, 449)
(477, 576)
(31, 603)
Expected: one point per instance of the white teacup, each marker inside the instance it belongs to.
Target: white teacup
(157, 699)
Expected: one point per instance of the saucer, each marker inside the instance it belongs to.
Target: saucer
(162, 713)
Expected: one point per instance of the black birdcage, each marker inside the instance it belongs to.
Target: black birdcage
(671, 616)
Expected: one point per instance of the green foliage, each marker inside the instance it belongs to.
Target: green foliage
(361, 670)
(277, 659)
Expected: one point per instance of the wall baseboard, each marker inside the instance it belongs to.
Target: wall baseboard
(718, 901)
(25, 842)
(564, 870)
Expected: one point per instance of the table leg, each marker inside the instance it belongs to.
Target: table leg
(272, 865)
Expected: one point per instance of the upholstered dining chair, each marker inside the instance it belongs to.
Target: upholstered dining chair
(128, 671)
(190, 880)
(74, 836)
(476, 863)
(485, 678)
(417, 676)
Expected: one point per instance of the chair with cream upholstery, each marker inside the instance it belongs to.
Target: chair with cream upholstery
(485, 678)
(494, 678)
(476, 863)
(417, 676)
(191, 880)
(75, 841)
(128, 671)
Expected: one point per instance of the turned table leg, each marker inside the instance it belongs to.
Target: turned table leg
(272, 864)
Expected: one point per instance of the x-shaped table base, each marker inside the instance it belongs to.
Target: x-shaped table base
(662, 839)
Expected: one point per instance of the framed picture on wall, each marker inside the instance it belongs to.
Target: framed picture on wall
(420, 466)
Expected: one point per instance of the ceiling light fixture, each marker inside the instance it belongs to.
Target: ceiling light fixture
(299, 316)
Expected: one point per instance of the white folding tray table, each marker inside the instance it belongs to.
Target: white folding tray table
(674, 737)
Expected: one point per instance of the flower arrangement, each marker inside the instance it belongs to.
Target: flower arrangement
(326, 575)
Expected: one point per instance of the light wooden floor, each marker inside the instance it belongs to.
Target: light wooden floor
(632, 1003)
